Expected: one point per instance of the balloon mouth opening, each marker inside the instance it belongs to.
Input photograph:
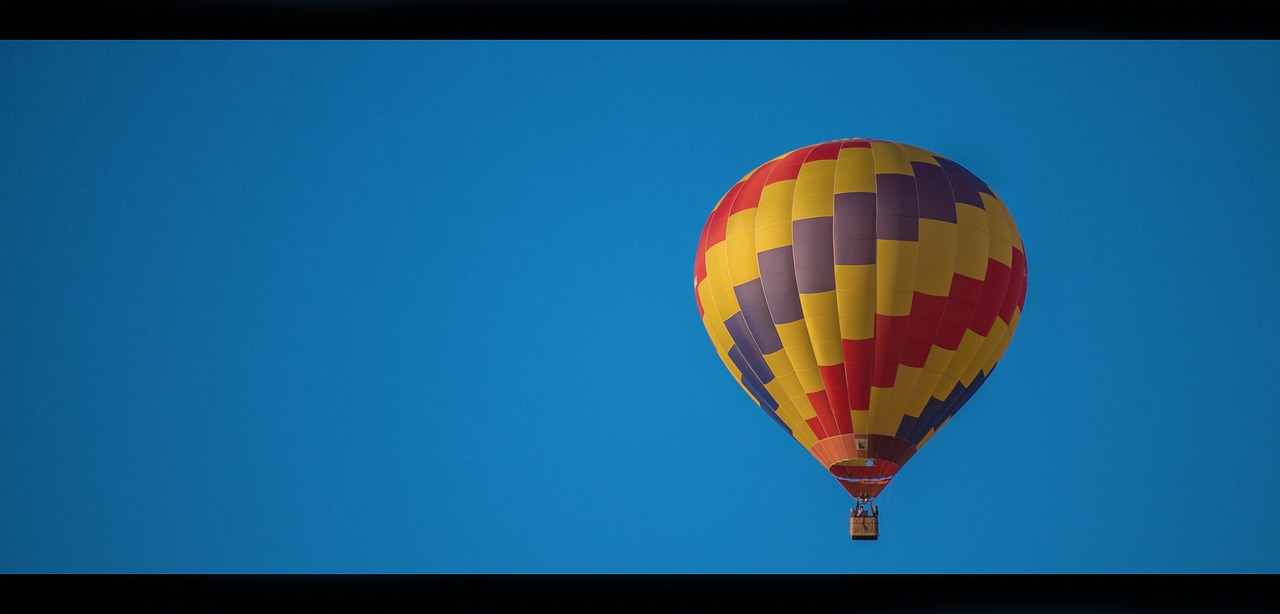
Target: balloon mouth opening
(862, 479)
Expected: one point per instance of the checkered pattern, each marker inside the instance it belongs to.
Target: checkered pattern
(860, 291)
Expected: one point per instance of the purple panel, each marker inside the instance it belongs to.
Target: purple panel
(756, 312)
(935, 411)
(962, 186)
(752, 383)
(854, 228)
(778, 277)
(896, 195)
(936, 201)
(742, 340)
(898, 228)
(979, 184)
(814, 246)
(856, 251)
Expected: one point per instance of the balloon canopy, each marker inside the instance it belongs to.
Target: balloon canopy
(860, 291)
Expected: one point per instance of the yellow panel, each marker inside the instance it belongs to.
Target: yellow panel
(938, 359)
(804, 435)
(879, 407)
(997, 217)
(946, 384)
(718, 334)
(966, 354)
(780, 363)
(856, 277)
(722, 294)
(972, 263)
(741, 222)
(915, 154)
(861, 421)
(924, 388)
(778, 191)
(896, 265)
(716, 330)
(811, 379)
(827, 350)
(855, 171)
(813, 195)
(775, 203)
(998, 331)
(890, 159)
(795, 335)
(773, 217)
(786, 411)
(1001, 251)
(803, 406)
(903, 387)
(774, 235)
(811, 206)
(936, 257)
(823, 322)
(742, 260)
(885, 417)
(894, 303)
(857, 313)
(997, 206)
(998, 353)
(819, 305)
(971, 217)
(715, 258)
(939, 233)
(932, 281)
(816, 177)
(795, 341)
(717, 276)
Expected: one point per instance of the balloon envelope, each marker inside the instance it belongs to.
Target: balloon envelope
(860, 291)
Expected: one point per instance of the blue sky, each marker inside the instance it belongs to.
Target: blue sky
(426, 307)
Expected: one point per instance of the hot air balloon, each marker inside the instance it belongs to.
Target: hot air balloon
(860, 291)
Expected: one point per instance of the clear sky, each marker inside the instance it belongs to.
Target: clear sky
(428, 307)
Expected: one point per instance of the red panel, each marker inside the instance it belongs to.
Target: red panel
(825, 151)
(927, 306)
(926, 314)
(915, 353)
(700, 259)
(891, 331)
(789, 166)
(950, 334)
(892, 449)
(886, 372)
(749, 197)
(823, 408)
(994, 289)
(858, 357)
(982, 321)
(965, 289)
(922, 330)
(993, 292)
(838, 395)
(720, 217)
(816, 426)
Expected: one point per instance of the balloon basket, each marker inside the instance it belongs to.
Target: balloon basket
(863, 527)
